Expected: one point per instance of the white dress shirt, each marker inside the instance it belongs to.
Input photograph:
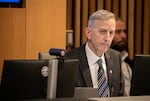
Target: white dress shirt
(127, 73)
(93, 66)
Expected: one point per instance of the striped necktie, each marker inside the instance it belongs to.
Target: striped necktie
(103, 88)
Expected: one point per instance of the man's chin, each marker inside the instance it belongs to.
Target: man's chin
(105, 49)
(121, 48)
(121, 44)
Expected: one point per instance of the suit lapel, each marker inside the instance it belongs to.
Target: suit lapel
(109, 63)
(85, 67)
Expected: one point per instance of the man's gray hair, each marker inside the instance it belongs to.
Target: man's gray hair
(100, 15)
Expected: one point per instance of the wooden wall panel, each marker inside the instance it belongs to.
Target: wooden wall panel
(131, 28)
(12, 29)
(84, 18)
(77, 23)
(45, 26)
(108, 5)
(146, 30)
(116, 7)
(123, 10)
(100, 4)
(69, 15)
(92, 6)
(138, 26)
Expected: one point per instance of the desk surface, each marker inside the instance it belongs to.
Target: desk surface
(131, 98)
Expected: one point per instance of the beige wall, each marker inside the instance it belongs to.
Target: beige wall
(39, 26)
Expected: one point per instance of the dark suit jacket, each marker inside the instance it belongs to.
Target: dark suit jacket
(113, 70)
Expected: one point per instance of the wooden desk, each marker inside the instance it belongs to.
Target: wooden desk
(131, 98)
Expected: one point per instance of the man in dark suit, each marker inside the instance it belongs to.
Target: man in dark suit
(100, 33)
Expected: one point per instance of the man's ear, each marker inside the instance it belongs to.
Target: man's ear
(88, 32)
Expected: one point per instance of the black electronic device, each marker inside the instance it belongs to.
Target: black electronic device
(28, 79)
(140, 84)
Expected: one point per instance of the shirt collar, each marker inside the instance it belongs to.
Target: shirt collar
(92, 57)
(124, 55)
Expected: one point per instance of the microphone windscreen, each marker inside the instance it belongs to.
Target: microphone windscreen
(57, 52)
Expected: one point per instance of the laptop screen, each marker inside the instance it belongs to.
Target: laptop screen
(140, 84)
(28, 79)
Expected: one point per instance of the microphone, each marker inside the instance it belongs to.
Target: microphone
(57, 52)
